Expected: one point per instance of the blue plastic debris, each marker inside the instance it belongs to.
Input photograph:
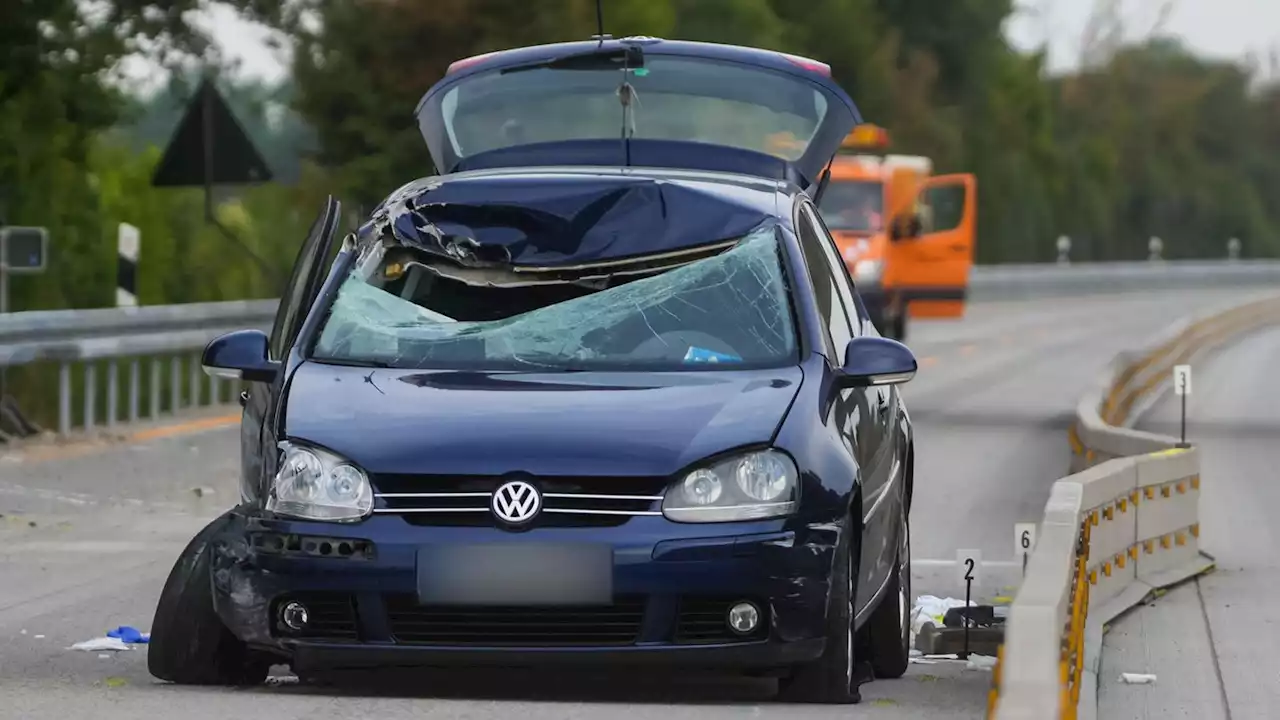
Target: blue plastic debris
(128, 634)
(698, 355)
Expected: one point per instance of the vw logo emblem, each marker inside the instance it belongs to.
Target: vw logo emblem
(516, 502)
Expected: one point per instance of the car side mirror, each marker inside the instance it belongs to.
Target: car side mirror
(872, 361)
(905, 227)
(240, 355)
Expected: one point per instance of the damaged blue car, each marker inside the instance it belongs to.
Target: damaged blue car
(599, 391)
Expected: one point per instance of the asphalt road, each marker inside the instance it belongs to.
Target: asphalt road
(89, 532)
(1212, 642)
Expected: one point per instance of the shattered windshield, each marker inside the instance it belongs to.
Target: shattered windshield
(731, 309)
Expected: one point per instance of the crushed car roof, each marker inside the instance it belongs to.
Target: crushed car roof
(573, 217)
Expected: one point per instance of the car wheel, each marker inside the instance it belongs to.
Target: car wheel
(189, 645)
(889, 628)
(835, 677)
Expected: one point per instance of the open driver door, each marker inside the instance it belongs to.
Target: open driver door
(939, 254)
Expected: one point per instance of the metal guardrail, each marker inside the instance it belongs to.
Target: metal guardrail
(1124, 525)
(169, 338)
(1013, 282)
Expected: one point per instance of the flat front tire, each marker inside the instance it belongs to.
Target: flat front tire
(834, 678)
(189, 645)
(889, 627)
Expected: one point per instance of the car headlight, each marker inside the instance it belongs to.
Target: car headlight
(316, 485)
(867, 271)
(752, 486)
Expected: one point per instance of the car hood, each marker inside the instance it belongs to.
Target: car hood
(488, 423)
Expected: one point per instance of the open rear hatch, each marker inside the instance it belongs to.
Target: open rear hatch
(638, 102)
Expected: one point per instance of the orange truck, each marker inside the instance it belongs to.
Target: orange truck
(906, 235)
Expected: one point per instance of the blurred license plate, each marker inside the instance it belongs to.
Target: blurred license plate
(515, 574)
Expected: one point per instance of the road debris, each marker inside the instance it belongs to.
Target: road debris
(980, 662)
(1137, 678)
(100, 644)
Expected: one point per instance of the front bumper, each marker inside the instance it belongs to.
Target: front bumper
(672, 584)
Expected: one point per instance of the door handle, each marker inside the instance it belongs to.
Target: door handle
(244, 397)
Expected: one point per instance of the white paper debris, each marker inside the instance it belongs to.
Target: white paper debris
(282, 680)
(930, 610)
(104, 656)
(39, 637)
(980, 662)
(1137, 678)
(102, 643)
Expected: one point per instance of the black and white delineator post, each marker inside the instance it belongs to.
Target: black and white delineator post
(1182, 386)
(129, 242)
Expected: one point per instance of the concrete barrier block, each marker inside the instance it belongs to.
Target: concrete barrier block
(1102, 484)
(1167, 465)
(1064, 504)
(1032, 651)
(1050, 569)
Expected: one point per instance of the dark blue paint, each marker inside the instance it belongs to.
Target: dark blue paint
(243, 350)
(549, 218)
(591, 424)
(868, 359)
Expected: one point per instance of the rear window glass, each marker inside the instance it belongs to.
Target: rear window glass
(673, 98)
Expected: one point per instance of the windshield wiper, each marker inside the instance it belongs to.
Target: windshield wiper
(351, 362)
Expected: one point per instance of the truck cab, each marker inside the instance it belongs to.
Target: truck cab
(906, 235)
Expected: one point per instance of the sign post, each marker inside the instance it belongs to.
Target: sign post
(968, 567)
(1182, 386)
(1024, 542)
(22, 250)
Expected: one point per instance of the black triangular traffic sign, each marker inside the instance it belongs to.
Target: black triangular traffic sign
(234, 159)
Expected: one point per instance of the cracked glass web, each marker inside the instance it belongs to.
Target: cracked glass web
(732, 308)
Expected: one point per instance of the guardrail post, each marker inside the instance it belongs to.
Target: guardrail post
(113, 392)
(133, 390)
(1064, 250)
(1233, 249)
(175, 382)
(64, 398)
(215, 389)
(1155, 249)
(155, 388)
(194, 371)
(90, 394)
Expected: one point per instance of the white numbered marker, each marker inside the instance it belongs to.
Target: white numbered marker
(968, 567)
(1182, 379)
(1024, 541)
